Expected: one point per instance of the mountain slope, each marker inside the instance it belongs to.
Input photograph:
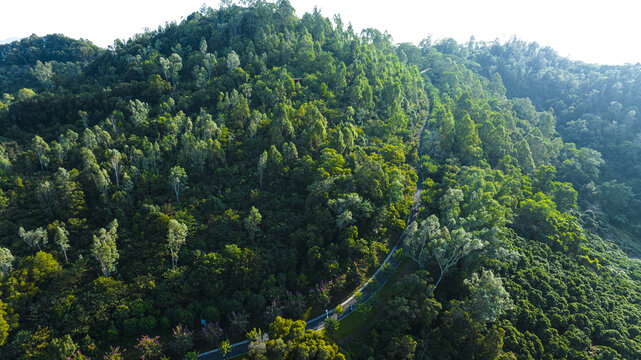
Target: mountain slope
(241, 165)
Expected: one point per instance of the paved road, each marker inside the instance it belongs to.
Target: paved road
(367, 290)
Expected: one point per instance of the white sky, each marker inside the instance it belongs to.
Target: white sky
(605, 32)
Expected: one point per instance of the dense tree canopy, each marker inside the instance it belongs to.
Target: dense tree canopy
(247, 168)
(247, 157)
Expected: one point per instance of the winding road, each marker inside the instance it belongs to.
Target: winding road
(367, 290)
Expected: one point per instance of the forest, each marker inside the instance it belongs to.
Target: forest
(229, 177)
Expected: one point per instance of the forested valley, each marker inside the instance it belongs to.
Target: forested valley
(229, 177)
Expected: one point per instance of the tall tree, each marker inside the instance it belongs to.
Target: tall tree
(177, 180)
(468, 141)
(452, 247)
(252, 221)
(115, 157)
(176, 238)
(104, 248)
(41, 149)
(175, 64)
(232, 60)
(43, 73)
(6, 262)
(417, 239)
(45, 194)
(34, 238)
(430, 240)
(139, 111)
(262, 164)
(488, 297)
(209, 63)
(61, 238)
(524, 156)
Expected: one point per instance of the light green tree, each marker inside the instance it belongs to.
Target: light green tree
(203, 46)
(232, 60)
(450, 248)
(139, 111)
(115, 157)
(6, 262)
(84, 116)
(252, 221)
(289, 152)
(176, 238)
(41, 149)
(175, 65)
(262, 164)
(101, 179)
(417, 239)
(524, 156)
(200, 75)
(209, 62)
(488, 298)
(344, 219)
(104, 248)
(89, 140)
(43, 72)
(34, 238)
(177, 180)
(5, 162)
(450, 207)
(61, 238)
(431, 241)
(45, 194)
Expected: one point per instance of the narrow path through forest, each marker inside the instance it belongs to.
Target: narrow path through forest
(369, 289)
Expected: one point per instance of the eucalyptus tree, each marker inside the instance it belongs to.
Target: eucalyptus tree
(6, 262)
(262, 164)
(89, 139)
(177, 180)
(45, 194)
(252, 221)
(209, 62)
(176, 238)
(43, 72)
(41, 149)
(5, 162)
(104, 248)
(488, 297)
(171, 67)
(290, 152)
(84, 116)
(233, 61)
(139, 111)
(62, 239)
(34, 238)
(115, 157)
(429, 241)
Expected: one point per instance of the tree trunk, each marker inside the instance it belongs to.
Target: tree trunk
(439, 280)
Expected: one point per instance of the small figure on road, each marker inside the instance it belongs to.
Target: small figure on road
(351, 308)
(326, 313)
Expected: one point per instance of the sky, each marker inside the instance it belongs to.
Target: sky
(591, 31)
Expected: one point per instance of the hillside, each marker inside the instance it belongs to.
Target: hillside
(43, 62)
(246, 167)
(214, 170)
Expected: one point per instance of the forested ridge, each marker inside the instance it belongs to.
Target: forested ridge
(248, 169)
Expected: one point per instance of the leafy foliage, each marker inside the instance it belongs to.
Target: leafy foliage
(275, 156)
